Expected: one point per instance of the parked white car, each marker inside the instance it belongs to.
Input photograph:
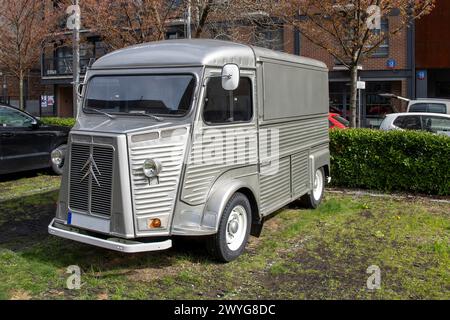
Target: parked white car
(427, 105)
(432, 122)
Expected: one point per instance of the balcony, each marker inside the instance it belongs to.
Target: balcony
(61, 67)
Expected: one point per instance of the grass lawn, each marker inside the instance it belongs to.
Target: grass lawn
(322, 254)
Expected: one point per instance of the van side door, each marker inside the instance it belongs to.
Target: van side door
(224, 139)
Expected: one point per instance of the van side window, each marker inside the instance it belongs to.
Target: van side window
(223, 106)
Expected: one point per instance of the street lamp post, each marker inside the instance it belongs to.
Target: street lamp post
(76, 57)
(189, 21)
(4, 88)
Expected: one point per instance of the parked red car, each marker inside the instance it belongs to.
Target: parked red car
(337, 122)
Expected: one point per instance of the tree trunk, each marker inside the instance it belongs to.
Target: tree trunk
(202, 20)
(354, 96)
(21, 93)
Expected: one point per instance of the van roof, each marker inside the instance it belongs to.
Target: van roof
(194, 52)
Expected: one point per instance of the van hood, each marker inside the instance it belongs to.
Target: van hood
(124, 125)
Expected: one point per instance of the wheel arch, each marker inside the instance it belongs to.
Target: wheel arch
(221, 196)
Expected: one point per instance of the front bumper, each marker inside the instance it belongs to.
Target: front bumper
(116, 244)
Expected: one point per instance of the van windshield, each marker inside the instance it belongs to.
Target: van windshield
(165, 95)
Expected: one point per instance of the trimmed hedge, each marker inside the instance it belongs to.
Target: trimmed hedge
(63, 122)
(412, 161)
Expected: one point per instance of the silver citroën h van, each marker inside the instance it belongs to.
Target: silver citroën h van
(192, 138)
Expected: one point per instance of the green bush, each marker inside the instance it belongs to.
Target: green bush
(412, 161)
(63, 122)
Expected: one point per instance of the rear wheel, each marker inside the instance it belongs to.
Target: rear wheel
(234, 229)
(314, 198)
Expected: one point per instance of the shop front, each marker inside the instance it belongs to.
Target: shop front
(372, 108)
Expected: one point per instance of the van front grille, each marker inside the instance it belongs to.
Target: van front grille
(91, 171)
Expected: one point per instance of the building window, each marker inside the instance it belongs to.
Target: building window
(383, 49)
(443, 89)
(270, 38)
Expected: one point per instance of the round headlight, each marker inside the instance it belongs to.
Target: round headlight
(152, 168)
(57, 157)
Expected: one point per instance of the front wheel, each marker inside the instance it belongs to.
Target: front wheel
(234, 229)
(313, 199)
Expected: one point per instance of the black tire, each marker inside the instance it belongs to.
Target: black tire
(217, 244)
(309, 200)
(58, 170)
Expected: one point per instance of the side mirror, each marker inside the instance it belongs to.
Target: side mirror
(35, 124)
(79, 89)
(230, 77)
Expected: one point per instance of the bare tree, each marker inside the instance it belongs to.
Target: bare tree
(24, 25)
(234, 20)
(350, 30)
(122, 23)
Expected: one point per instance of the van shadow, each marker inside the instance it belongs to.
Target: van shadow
(23, 229)
(10, 177)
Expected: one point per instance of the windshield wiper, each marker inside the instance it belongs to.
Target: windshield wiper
(147, 115)
(101, 112)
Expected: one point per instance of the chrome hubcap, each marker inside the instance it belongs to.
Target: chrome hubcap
(236, 228)
(318, 185)
(233, 227)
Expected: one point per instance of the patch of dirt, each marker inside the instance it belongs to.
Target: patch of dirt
(103, 296)
(20, 295)
(393, 195)
(367, 214)
(318, 275)
(151, 274)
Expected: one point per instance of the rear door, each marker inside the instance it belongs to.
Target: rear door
(408, 122)
(435, 124)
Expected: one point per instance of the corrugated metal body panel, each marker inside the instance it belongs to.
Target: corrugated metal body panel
(214, 151)
(297, 135)
(157, 196)
(275, 189)
(292, 142)
(300, 173)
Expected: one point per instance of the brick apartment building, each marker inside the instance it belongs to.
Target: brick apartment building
(433, 53)
(388, 70)
(414, 63)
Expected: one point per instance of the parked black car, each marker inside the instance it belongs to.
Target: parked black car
(26, 143)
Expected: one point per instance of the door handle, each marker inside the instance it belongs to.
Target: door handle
(6, 134)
